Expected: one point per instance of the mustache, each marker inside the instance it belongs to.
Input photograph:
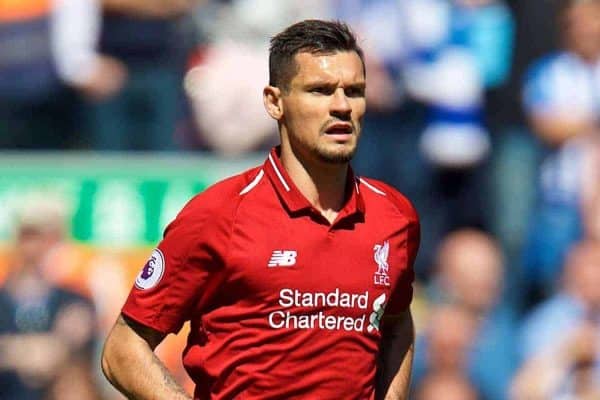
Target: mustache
(332, 121)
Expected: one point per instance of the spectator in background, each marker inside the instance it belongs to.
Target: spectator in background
(149, 38)
(469, 275)
(560, 341)
(563, 106)
(46, 333)
(561, 90)
(458, 50)
(446, 386)
(445, 343)
(237, 33)
(449, 68)
(47, 46)
(565, 372)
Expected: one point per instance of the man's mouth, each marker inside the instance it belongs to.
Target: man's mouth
(339, 128)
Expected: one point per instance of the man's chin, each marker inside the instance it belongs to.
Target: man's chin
(340, 157)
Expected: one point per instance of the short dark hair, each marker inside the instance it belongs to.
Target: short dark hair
(313, 36)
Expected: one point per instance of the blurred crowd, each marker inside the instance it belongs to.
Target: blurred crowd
(485, 113)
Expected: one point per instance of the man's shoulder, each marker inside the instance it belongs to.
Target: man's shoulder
(383, 194)
(221, 198)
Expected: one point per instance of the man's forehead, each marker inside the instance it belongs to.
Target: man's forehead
(315, 66)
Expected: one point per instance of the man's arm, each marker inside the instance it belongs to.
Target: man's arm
(396, 356)
(75, 31)
(129, 363)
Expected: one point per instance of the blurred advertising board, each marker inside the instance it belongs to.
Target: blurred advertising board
(120, 200)
(115, 207)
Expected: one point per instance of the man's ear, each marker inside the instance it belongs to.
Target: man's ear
(272, 102)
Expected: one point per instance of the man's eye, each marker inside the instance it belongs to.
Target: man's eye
(321, 90)
(355, 92)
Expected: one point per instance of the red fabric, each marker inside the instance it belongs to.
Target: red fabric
(216, 274)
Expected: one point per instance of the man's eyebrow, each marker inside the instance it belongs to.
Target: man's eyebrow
(331, 82)
(358, 85)
(320, 82)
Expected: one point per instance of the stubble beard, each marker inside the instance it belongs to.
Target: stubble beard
(342, 156)
(336, 156)
(323, 152)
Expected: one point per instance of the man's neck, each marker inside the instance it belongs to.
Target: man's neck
(323, 184)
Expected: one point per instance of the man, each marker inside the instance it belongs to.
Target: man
(469, 275)
(284, 271)
(148, 39)
(48, 48)
(564, 363)
(46, 332)
(560, 93)
(562, 103)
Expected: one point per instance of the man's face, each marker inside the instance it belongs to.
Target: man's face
(582, 29)
(32, 245)
(323, 106)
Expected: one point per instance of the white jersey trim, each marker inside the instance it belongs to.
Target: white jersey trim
(283, 182)
(253, 183)
(373, 188)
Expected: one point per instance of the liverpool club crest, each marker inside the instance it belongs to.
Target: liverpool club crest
(381, 276)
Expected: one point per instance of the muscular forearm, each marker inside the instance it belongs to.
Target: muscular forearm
(401, 383)
(129, 363)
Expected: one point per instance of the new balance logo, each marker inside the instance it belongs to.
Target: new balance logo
(283, 258)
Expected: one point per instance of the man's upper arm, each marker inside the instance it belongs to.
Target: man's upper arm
(127, 352)
(397, 325)
(126, 326)
(180, 274)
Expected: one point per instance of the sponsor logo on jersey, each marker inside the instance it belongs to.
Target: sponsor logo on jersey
(290, 299)
(152, 272)
(283, 258)
(375, 317)
(381, 277)
(315, 306)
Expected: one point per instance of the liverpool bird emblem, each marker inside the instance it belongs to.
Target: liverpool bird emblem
(381, 257)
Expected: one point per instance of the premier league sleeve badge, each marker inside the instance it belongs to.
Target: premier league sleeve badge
(152, 272)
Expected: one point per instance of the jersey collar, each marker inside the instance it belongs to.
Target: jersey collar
(294, 200)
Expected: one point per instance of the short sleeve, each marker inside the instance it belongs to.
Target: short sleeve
(169, 286)
(402, 295)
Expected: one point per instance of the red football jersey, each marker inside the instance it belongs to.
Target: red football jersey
(282, 304)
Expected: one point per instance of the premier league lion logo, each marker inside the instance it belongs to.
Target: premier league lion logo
(152, 272)
(149, 268)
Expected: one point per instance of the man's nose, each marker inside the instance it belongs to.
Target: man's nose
(340, 104)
